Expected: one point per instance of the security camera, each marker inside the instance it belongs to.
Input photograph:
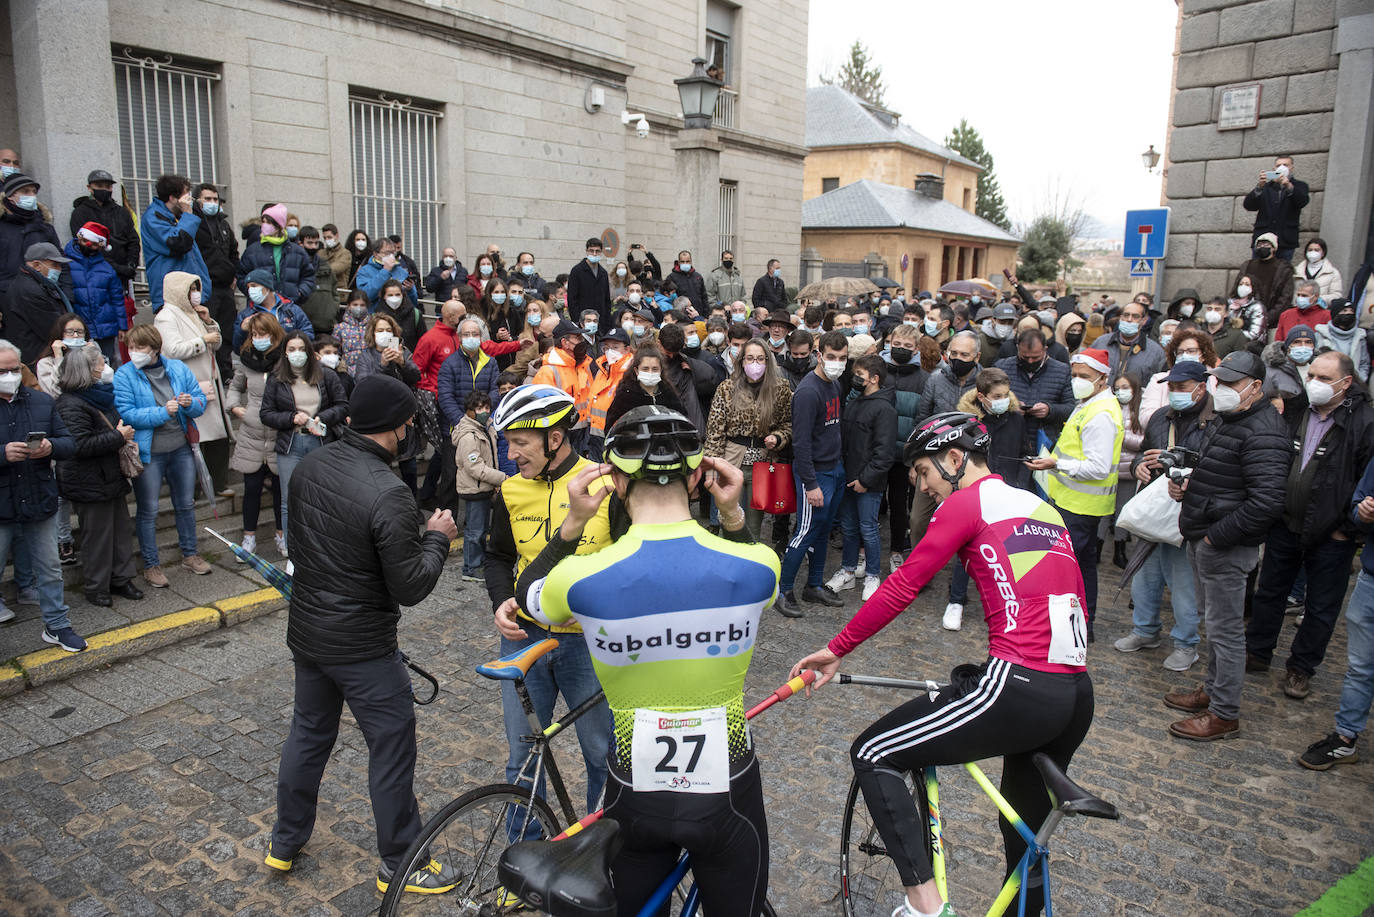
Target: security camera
(642, 128)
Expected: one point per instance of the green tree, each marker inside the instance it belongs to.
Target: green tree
(1046, 246)
(967, 142)
(860, 76)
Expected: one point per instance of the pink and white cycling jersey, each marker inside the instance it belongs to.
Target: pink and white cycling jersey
(1017, 551)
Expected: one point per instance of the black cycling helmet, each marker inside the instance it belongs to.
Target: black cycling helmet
(947, 431)
(654, 442)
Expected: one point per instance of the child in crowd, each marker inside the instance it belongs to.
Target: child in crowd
(474, 443)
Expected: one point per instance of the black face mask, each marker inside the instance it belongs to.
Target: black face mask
(1030, 367)
(901, 355)
(403, 442)
(1264, 252)
(799, 364)
(1344, 321)
(1073, 339)
(103, 195)
(727, 264)
(858, 386)
(961, 367)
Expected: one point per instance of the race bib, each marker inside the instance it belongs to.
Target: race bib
(681, 752)
(1068, 631)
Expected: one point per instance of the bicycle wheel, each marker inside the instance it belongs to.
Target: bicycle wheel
(869, 884)
(469, 834)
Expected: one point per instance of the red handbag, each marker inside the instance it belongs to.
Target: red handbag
(772, 489)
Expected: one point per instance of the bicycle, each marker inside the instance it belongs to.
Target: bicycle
(471, 832)
(869, 885)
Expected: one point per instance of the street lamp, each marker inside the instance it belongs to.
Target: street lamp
(698, 93)
(1150, 158)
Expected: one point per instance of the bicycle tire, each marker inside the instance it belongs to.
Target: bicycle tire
(869, 884)
(473, 852)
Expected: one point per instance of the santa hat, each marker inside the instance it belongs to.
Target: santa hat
(1093, 359)
(96, 234)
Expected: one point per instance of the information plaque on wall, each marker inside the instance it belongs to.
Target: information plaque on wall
(1239, 107)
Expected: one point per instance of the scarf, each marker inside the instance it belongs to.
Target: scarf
(273, 240)
(99, 395)
(260, 362)
(1344, 341)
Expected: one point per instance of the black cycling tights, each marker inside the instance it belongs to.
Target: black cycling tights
(725, 833)
(1005, 710)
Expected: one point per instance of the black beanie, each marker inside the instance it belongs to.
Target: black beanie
(380, 403)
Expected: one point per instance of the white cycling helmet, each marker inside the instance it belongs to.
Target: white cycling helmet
(533, 407)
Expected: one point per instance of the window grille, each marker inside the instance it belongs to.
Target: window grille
(729, 215)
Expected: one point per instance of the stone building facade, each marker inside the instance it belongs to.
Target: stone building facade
(1313, 61)
(457, 123)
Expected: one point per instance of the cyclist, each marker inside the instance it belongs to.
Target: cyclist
(537, 421)
(671, 648)
(1033, 692)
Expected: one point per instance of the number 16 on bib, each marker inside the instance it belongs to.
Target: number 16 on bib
(683, 752)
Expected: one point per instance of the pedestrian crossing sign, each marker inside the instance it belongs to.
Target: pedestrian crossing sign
(1142, 267)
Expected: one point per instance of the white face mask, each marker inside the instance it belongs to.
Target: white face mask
(107, 373)
(1319, 393)
(195, 297)
(1123, 395)
(649, 378)
(297, 358)
(833, 369)
(360, 245)
(1186, 310)
(715, 338)
(384, 339)
(1082, 388)
(393, 301)
(1226, 399)
(329, 360)
(1212, 316)
(1314, 257)
(999, 405)
(1243, 290)
(634, 299)
(331, 243)
(9, 382)
(613, 355)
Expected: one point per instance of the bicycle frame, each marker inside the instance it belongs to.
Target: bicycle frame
(540, 758)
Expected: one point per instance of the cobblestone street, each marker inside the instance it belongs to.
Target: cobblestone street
(148, 787)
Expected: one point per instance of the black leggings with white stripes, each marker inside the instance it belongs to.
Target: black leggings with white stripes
(996, 709)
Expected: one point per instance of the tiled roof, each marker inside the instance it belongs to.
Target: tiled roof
(871, 205)
(835, 117)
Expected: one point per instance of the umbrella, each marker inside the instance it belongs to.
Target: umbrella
(967, 287)
(885, 283)
(837, 287)
(1142, 553)
(203, 476)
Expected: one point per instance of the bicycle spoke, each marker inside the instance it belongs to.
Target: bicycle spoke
(869, 884)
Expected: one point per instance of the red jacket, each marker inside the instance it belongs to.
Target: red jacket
(1311, 317)
(435, 346)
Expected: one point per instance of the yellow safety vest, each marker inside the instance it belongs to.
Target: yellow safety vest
(537, 508)
(1093, 497)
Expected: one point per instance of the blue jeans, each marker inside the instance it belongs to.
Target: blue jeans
(1166, 565)
(478, 514)
(858, 518)
(40, 542)
(179, 469)
(813, 528)
(1357, 690)
(567, 671)
(302, 444)
(958, 583)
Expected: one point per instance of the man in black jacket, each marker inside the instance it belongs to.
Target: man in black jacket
(769, 291)
(1230, 503)
(445, 275)
(100, 207)
(1332, 433)
(589, 286)
(689, 282)
(39, 294)
(1277, 203)
(358, 558)
(220, 249)
(1042, 385)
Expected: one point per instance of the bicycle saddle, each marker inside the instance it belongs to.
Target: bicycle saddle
(517, 665)
(567, 878)
(1069, 797)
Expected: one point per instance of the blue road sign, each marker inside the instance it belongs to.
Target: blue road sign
(1147, 233)
(1142, 267)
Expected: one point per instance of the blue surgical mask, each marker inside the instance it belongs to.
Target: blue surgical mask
(527, 270)
(1303, 302)
(1129, 329)
(54, 274)
(975, 299)
(593, 259)
(7, 171)
(1180, 401)
(640, 331)
(291, 231)
(1187, 358)
(534, 318)
(210, 208)
(27, 202)
(1300, 354)
(931, 327)
(736, 317)
(257, 294)
(912, 323)
(499, 298)
(261, 344)
(861, 328)
(591, 327)
(517, 299)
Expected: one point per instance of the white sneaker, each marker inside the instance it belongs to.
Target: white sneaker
(954, 616)
(841, 581)
(290, 568)
(249, 544)
(280, 539)
(871, 584)
(894, 562)
(6, 616)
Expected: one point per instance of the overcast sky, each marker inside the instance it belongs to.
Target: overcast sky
(1066, 94)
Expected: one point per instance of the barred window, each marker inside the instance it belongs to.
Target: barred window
(729, 215)
(396, 171)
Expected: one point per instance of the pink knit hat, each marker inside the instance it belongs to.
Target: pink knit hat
(276, 213)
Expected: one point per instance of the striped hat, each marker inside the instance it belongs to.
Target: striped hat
(1093, 359)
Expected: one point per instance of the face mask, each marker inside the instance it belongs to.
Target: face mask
(27, 202)
(640, 331)
(1300, 355)
(534, 318)
(975, 300)
(1226, 399)
(715, 338)
(9, 383)
(999, 405)
(139, 358)
(858, 387)
(911, 322)
(733, 351)
(776, 342)
(7, 171)
(1082, 388)
(1345, 321)
(901, 355)
(693, 341)
(384, 339)
(1188, 358)
(1123, 395)
(54, 274)
(961, 367)
(1212, 316)
(884, 309)
(591, 327)
(753, 371)
(297, 358)
(1303, 302)
(737, 317)
(1180, 401)
(861, 328)
(257, 294)
(261, 344)
(1073, 339)
(209, 208)
(472, 343)
(612, 355)
(107, 373)
(727, 264)
(393, 301)
(1243, 290)
(268, 229)
(73, 343)
(485, 270)
(931, 327)
(620, 272)
(498, 298)
(1314, 257)
(873, 299)
(387, 262)
(1030, 367)
(1128, 329)
(833, 369)
(847, 332)
(634, 299)
(331, 243)
(195, 297)
(481, 417)
(360, 245)
(649, 378)
(1186, 310)
(1264, 253)
(517, 299)
(357, 313)
(685, 268)
(1164, 339)
(593, 259)
(329, 360)
(292, 232)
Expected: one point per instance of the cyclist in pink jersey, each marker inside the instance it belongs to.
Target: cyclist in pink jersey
(1032, 694)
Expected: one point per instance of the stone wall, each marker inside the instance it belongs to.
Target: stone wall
(1290, 48)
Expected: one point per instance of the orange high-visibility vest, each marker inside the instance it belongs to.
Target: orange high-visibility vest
(604, 384)
(560, 372)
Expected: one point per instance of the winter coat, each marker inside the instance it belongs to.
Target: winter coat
(1353, 343)
(459, 376)
(436, 345)
(409, 317)
(322, 305)
(1236, 493)
(1276, 210)
(97, 292)
(28, 490)
(340, 262)
(255, 444)
(1327, 278)
(630, 395)
(1343, 454)
(1050, 385)
(943, 391)
(989, 348)
(1282, 377)
(141, 409)
(290, 316)
(1008, 432)
(123, 238)
(219, 247)
(1272, 285)
(1228, 339)
(722, 286)
(369, 363)
(439, 286)
(589, 287)
(34, 306)
(295, 275)
(688, 378)
(908, 381)
(1314, 315)
(769, 293)
(183, 338)
(92, 474)
(279, 407)
(358, 553)
(692, 285)
(474, 446)
(1141, 359)
(18, 230)
(868, 428)
(371, 277)
(169, 244)
(726, 420)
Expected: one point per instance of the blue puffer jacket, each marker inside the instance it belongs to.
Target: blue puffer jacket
(99, 294)
(458, 378)
(140, 408)
(371, 277)
(28, 489)
(290, 316)
(296, 277)
(169, 244)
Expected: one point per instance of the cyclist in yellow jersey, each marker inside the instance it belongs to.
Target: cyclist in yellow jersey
(537, 420)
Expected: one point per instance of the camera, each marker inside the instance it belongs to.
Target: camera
(1178, 463)
(642, 127)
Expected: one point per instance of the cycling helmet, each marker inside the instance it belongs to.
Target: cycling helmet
(946, 431)
(533, 407)
(654, 442)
